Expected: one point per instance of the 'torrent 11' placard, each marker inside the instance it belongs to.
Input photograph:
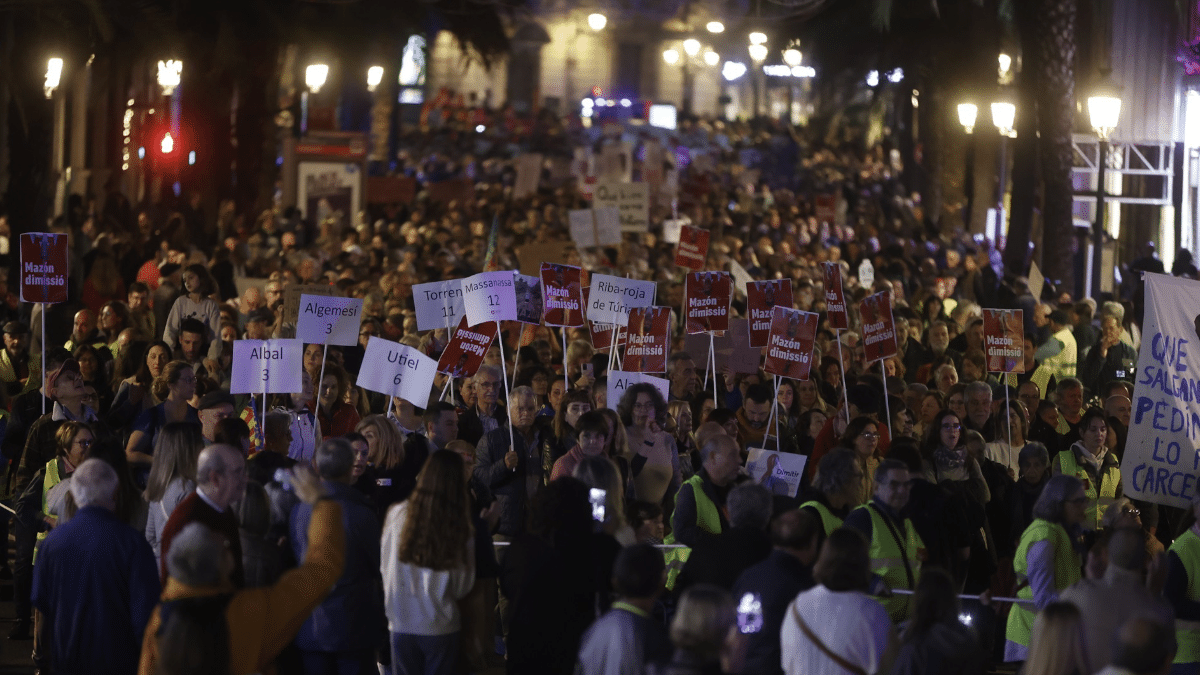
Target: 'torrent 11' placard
(438, 304)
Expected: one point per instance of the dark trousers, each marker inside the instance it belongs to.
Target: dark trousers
(25, 533)
(424, 654)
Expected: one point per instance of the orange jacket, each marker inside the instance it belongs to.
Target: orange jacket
(262, 621)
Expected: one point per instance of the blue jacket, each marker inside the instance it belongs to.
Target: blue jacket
(351, 616)
(96, 584)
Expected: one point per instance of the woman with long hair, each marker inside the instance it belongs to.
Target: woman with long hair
(936, 642)
(174, 387)
(808, 396)
(942, 448)
(862, 437)
(563, 435)
(932, 402)
(172, 477)
(1006, 449)
(655, 459)
(428, 560)
(114, 318)
(705, 634)
(1047, 561)
(337, 417)
(92, 371)
(135, 394)
(385, 479)
(1058, 646)
(195, 303)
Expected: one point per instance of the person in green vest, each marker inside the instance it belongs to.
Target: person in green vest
(1059, 353)
(1182, 590)
(835, 491)
(700, 503)
(74, 440)
(1047, 561)
(1093, 464)
(896, 548)
(14, 358)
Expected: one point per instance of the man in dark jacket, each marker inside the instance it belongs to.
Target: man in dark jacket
(513, 474)
(701, 515)
(343, 631)
(1109, 360)
(95, 583)
(764, 591)
(488, 414)
(721, 559)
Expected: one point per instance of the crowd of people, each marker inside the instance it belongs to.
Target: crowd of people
(164, 525)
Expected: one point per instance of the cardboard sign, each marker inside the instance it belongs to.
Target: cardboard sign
(673, 228)
(733, 349)
(438, 304)
(608, 225)
(529, 299)
(648, 340)
(293, 292)
(826, 210)
(490, 296)
(466, 350)
(615, 162)
(632, 199)
(740, 276)
(44, 267)
(529, 174)
(271, 366)
(693, 248)
(619, 381)
(582, 227)
(835, 296)
(790, 345)
(325, 320)
(397, 370)
(762, 297)
(612, 298)
(706, 302)
(1004, 340)
(602, 335)
(1160, 463)
(562, 295)
(531, 256)
(878, 327)
(1036, 281)
(779, 472)
(866, 274)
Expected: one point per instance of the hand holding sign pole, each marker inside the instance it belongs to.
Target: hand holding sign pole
(839, 318)
(328, 320)
(491, 296)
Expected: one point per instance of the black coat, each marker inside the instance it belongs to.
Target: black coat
(776, 581)
(470, 428)
(720, 560)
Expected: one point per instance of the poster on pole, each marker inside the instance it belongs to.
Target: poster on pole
(706, 303)
(397, 370)
(273, 366)
(1160, 463)
(648, 340)
(1004, 340)
(619, 381)
(529, 299)
(329, 190)
(438, 303)
(762, 297)
(879, 327)
(672, 229)
(791, 342)
(331, 321)
(693, 248)
(529, 174)
(562, 295)
(779, 472)
(835, 296)
(44, 267)
(490, 296)
(463, 356)
(632, 200)
(602, 335)
(612, 298)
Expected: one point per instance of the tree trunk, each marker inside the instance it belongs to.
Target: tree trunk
(1055, 83)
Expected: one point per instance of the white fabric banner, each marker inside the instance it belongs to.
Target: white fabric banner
(1161, 462)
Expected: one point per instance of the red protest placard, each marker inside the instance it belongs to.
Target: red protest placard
(835, 297)
(790, 343)
(706, 303)
(762, 297)
(43, 267)
(602, 335)
(648, 340)
(562, 295)
(1004, 340)
(693, 248)
(466, 350)
(826, 211)
(879, 328)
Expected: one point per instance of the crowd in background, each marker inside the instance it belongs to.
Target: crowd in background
(164, 525)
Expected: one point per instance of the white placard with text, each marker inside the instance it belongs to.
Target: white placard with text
(397, 370)
(325, 320)
(490, 296)
(438, 304)
(271, 366)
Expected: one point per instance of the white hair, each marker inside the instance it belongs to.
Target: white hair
(94, 483)
(195, 556)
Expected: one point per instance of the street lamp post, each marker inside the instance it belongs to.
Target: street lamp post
(1004, 116)
(793, 58)
(54, 69)
(1104, 109)
(758, 54)
(967, 114)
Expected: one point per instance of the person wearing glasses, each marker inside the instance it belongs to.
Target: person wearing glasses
(488, 414)
(1047, 561)
(1093, 464)
(896, 550)
(862, 437)
(75, 442)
